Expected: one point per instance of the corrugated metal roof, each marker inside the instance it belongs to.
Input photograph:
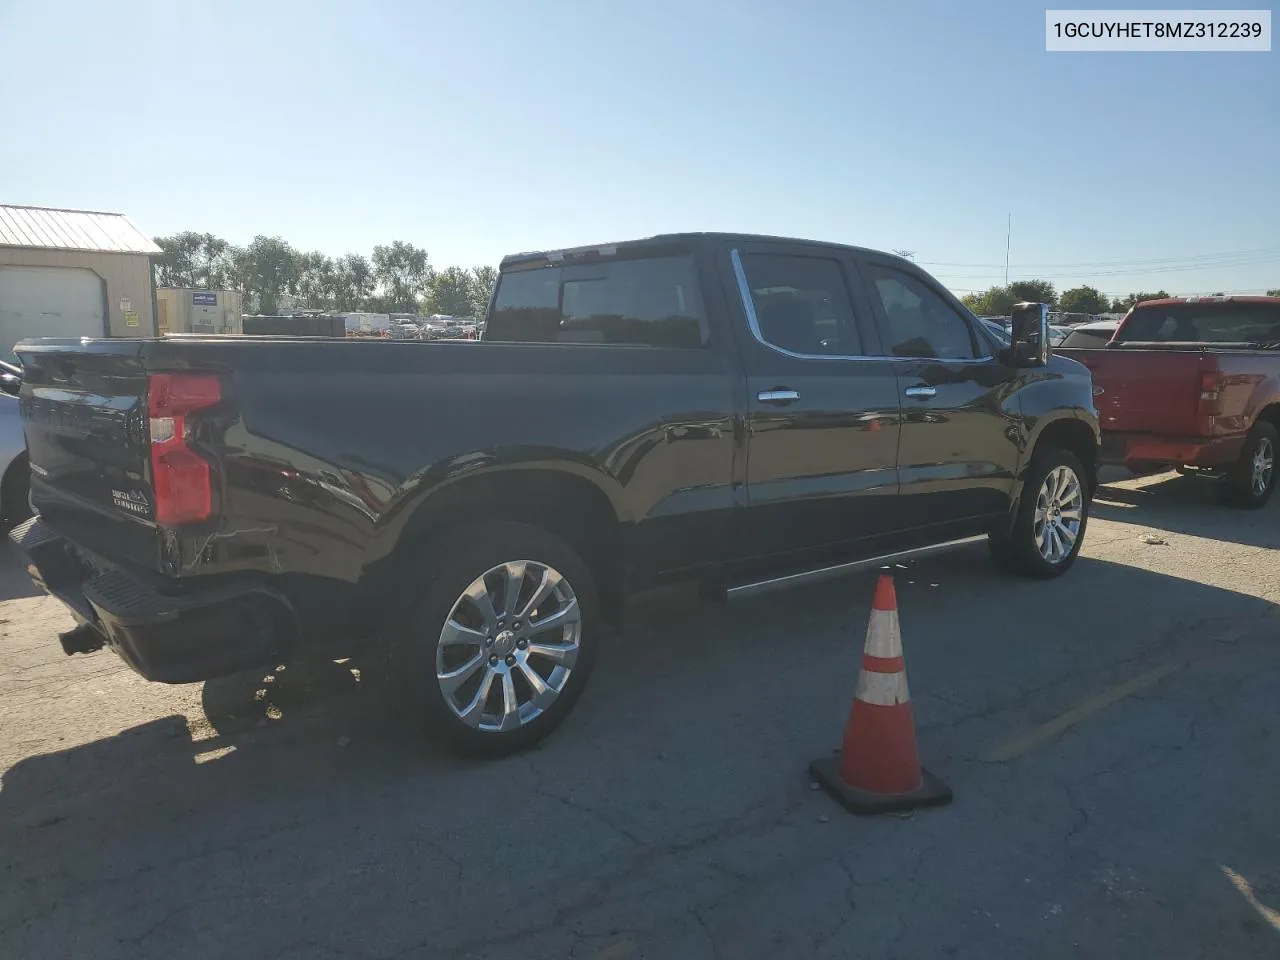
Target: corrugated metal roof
(47, 228)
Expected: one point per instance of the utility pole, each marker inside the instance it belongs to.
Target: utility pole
(1008, 243)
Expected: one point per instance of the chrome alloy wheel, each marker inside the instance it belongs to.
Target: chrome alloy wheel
(508, 646)
(1059, 513)
(1264, 458)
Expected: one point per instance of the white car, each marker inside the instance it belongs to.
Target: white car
(15, 474)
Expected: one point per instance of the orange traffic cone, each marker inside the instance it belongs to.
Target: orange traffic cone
(878, 769)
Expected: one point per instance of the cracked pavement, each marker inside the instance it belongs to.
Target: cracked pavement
(286, 814)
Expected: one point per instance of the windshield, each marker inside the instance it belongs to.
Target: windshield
(1239, 323)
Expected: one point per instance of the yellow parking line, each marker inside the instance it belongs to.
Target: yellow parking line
(1065, 721)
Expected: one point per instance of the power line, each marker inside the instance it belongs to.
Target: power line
(1121, 294)
(1229, 254)
(1131, 271)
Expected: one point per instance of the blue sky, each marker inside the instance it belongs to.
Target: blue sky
(477, 129)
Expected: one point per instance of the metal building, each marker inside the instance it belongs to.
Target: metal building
(73, 273)
(179, 310)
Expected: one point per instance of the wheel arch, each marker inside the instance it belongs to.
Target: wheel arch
(570, 503)
(1072, 434)
(1270, 414)
(1068, 432)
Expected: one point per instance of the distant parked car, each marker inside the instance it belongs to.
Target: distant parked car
(437, 330)
(15, 474)
(1086, 335)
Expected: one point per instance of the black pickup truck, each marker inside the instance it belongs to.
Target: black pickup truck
(738, 410)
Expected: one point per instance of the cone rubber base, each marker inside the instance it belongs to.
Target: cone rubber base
(932, 792)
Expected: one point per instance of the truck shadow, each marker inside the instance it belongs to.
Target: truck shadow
(173, 830)
(1187, 505)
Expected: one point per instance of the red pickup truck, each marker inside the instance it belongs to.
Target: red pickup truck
(1193, 383)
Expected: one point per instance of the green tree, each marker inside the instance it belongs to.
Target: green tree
(353, 281)
(1034, 291)
(194, 260)
(992, 302)
(174, 267)
(403, 274)
(483, 280)
(1274, 293)
(238, 272)
(270, 269)
(213, 263)
(1122, 304)
(317, 281)
(1083, 300)
(451, 293)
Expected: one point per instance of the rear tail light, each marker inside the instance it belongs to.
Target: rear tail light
(179, 475)
(1209, 385)
(1210, 392)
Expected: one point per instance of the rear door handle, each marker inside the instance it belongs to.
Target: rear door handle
(778, 395)
(920, 393)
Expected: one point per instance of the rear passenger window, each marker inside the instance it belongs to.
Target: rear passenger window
(653, 302)
(802, 305)
(920, 323)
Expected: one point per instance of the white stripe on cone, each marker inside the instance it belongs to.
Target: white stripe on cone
(884, 641)
(882, 689)
(883, 637)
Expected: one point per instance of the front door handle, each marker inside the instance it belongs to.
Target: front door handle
(778, 395)
(920, 393)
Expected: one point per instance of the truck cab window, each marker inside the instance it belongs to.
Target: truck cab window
(526, 307)
(653, 302)
(802, 305)
(1209, 322)
(919, 322)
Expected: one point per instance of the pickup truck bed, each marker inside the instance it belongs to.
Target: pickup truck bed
(724, 408)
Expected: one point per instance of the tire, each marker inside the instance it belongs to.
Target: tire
(15, 493)
(474, 562)
(1020, 550)
(1252, 479)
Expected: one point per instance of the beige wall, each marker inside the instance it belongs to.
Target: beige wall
(128, 275)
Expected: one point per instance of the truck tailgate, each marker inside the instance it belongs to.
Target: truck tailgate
(84, 412)
(1145, 391)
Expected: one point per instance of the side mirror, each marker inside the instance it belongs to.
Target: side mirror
(1029, 335)
(10, 384)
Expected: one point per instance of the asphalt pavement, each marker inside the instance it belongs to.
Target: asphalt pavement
(1109, 738)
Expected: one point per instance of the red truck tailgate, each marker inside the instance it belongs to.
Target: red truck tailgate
(1145, 391)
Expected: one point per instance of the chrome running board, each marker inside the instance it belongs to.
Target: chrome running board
(840, 569)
